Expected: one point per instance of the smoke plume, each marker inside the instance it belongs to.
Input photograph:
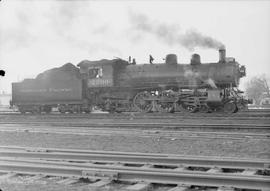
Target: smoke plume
(172, 34)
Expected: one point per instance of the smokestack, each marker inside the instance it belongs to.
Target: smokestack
(222, 54)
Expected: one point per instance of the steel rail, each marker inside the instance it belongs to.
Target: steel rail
(107, 166)
(7, 127)
(240, 112)
(238, 181)
(248, 116)
(111, 166)
(138, 114)
(146, 125)
(135, 158)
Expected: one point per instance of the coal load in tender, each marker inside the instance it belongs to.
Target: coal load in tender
(58, 85)
(67, 71)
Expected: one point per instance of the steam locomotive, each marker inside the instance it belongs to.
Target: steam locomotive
(120, 86)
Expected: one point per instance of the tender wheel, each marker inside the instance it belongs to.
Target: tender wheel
(204, 109)
(86, 110)
(36, 110)
(142, 102)
(61, 109)
(47, 109)
(22, 111)
(230, 107)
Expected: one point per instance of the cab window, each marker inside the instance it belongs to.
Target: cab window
(95, 73)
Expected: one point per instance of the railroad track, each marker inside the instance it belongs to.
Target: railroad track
(166, 169)
(248, 116)
(260, 113)
(146, 125)
(131, 120)
(154, 133)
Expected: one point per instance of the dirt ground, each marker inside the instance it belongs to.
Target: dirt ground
(240, 148)
(47, 185)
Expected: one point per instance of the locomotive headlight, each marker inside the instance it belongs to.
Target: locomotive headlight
(242, 71)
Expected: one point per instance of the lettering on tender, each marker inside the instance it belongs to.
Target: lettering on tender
(47, 90)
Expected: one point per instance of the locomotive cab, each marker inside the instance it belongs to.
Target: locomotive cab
(101, 76)
(101, 73)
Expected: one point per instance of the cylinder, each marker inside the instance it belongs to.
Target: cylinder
(222, 54)
(171, 59)
(195, 59)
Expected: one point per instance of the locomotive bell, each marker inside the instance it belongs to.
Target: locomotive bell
(171, 59)
(222, 54)
(195, 59)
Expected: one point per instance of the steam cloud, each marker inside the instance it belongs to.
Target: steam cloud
(172, 34)
(194, 77)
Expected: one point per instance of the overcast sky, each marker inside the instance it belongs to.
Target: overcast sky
(39, 35)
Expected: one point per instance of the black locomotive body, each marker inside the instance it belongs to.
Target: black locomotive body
(117, 85)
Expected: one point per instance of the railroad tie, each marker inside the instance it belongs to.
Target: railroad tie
(35, 177)
(141, 186)
(249, 172)
(180, 168)
(179, 188)
(99, 183)
(146, 166)
(214, 170)
(117, 164)
(68, 181)
(225, 189)
(100, 174)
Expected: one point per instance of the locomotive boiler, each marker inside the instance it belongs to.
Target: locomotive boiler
(117, 85)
